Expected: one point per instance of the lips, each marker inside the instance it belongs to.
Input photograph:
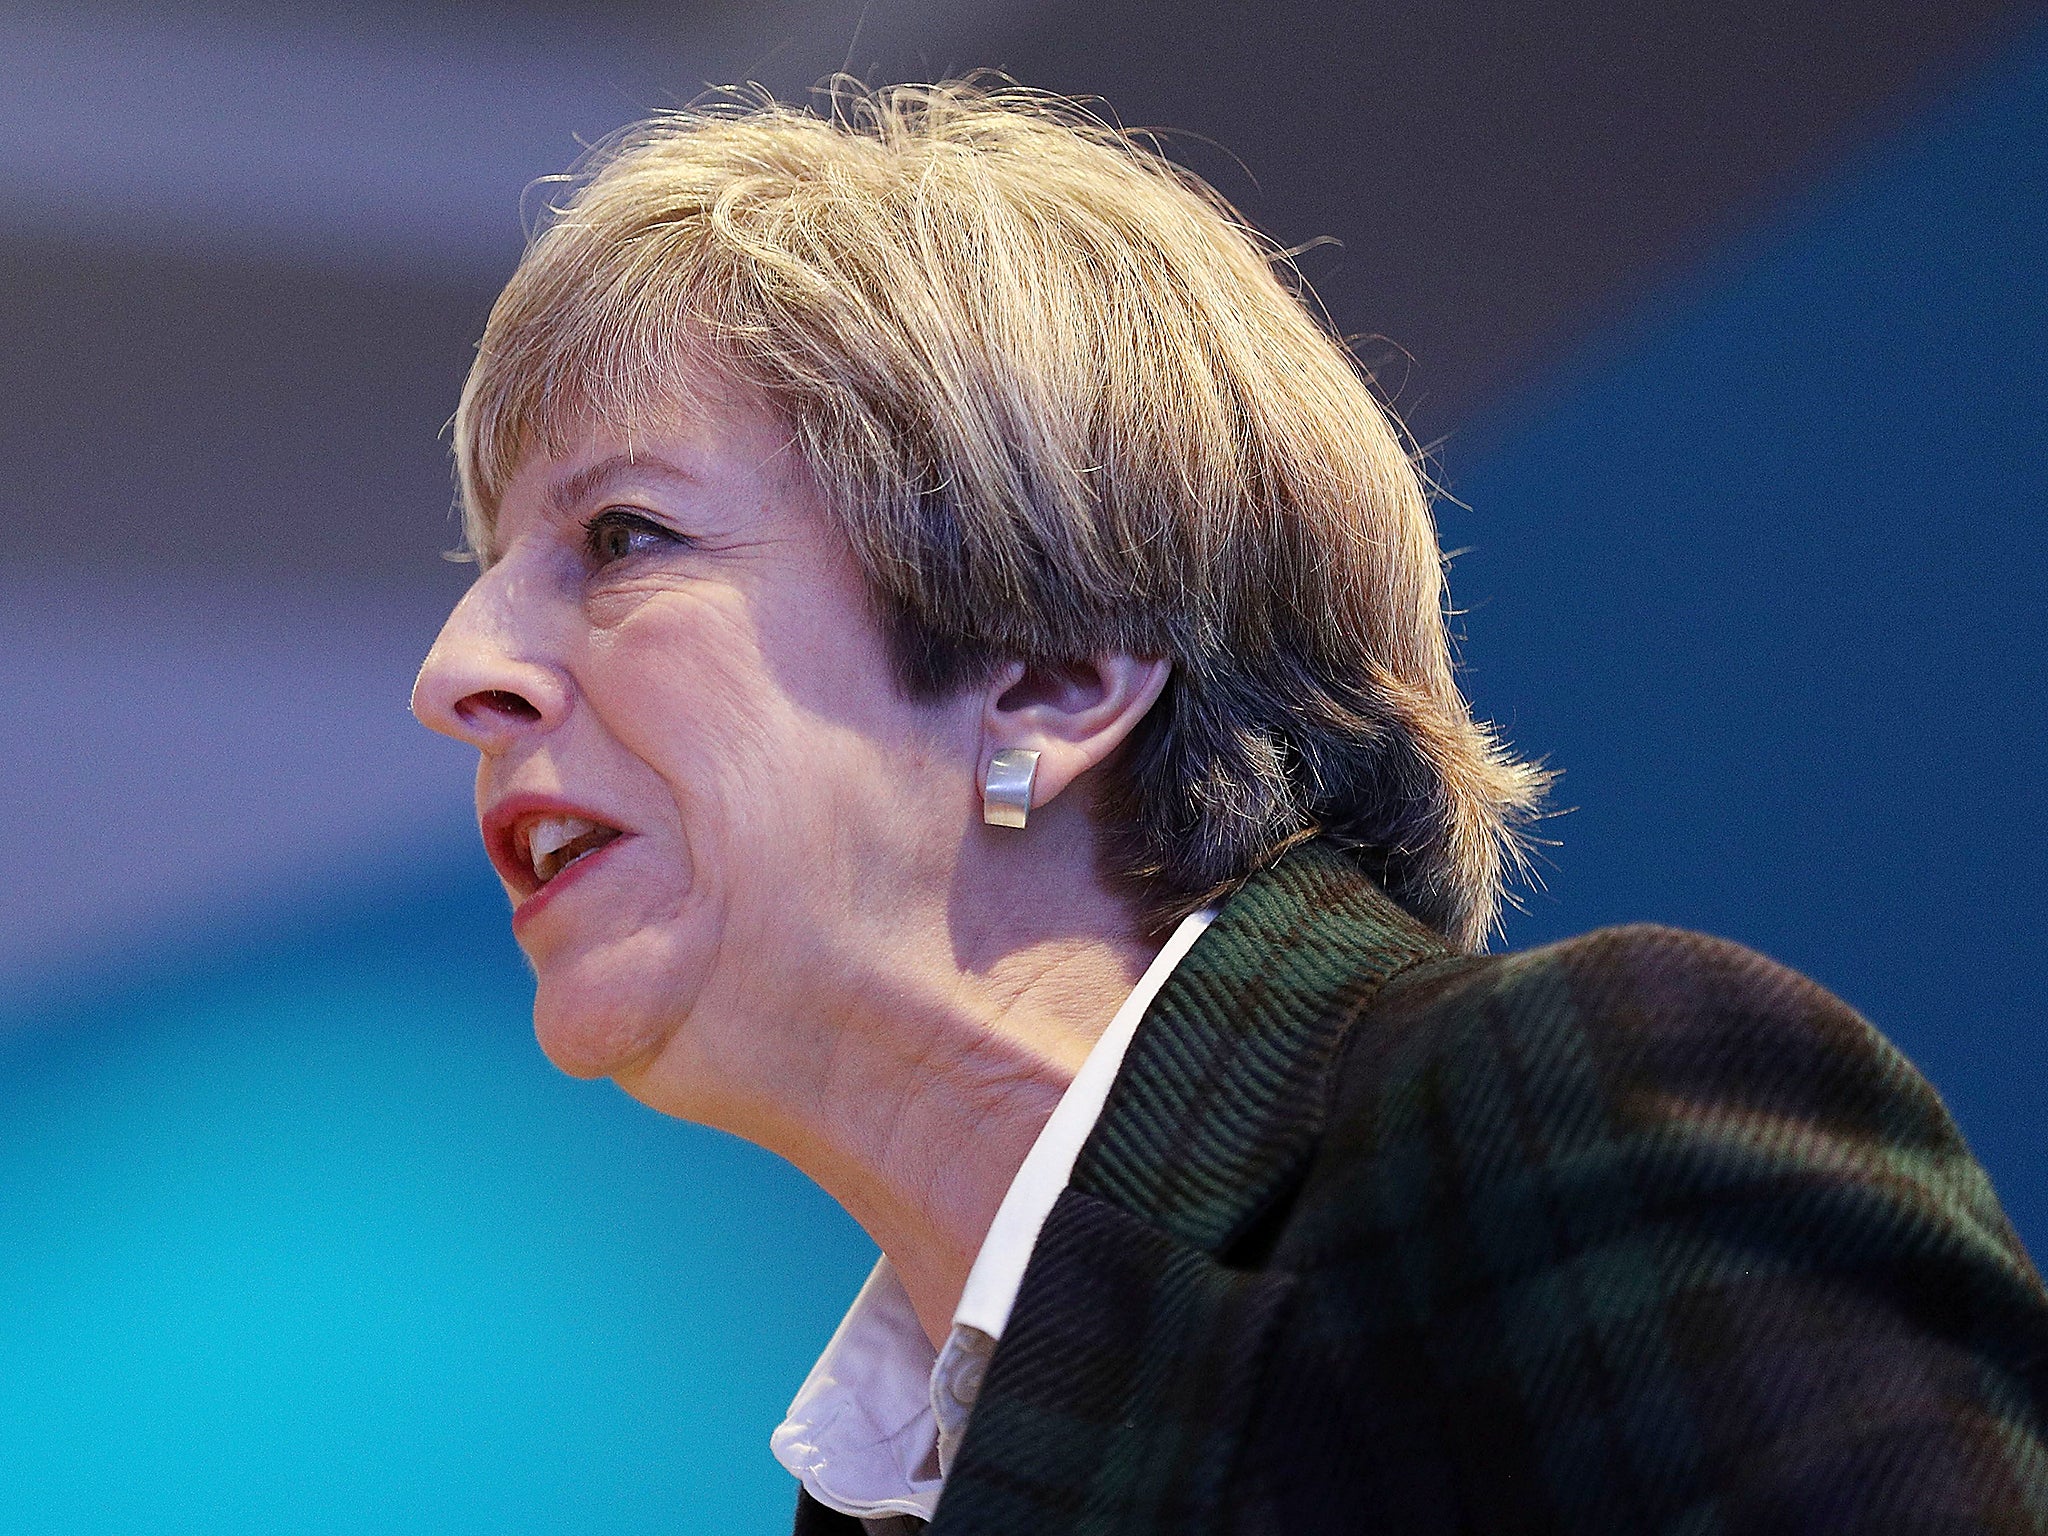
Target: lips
(535, 842)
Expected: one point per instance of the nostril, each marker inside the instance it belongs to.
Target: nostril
(499, 702)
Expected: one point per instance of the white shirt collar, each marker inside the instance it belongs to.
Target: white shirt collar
(872, 1430)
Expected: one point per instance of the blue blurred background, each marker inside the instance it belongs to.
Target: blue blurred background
(1727, 330)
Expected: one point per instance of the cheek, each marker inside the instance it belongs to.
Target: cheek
(794, 772)
(685, 690)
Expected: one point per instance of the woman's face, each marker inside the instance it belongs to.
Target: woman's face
(698, 780)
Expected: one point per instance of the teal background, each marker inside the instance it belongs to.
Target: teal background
(300, 1233)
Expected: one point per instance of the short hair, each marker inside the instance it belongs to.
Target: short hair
(1063, 402)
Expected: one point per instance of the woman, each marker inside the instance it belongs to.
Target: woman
(960, 676)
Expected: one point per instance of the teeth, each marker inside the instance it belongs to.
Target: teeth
(553, 843)
(554, 832)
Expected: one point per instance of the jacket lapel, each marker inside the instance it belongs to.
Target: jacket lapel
(1116, 1398)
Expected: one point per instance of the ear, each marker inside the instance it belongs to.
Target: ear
(1073, 716)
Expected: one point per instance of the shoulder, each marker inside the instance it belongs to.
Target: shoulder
(1641, 983)
(1648, 1064)
(1647, 1199)
(1638, 1029)
(1660, 1103)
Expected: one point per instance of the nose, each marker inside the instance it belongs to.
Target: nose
(482, 682)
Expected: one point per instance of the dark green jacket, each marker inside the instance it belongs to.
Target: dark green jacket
(1635, 1233)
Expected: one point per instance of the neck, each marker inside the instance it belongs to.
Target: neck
(905, 1044)
(939, 1093)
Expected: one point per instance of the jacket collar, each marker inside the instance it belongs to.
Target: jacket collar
(1218, 1103)
(1117, 1396)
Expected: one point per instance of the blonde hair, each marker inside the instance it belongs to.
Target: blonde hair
(1063, 402)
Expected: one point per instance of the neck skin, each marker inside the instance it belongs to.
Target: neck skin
(934, 1119)
(933, 1060)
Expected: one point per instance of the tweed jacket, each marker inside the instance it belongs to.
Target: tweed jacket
(1639, 1232)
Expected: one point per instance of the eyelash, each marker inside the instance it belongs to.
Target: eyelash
(627, 521)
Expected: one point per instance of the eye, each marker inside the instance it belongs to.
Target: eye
(619, 533)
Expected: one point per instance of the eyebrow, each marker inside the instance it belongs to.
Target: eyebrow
(586, 484)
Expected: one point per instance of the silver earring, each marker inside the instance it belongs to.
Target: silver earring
(1006, 792)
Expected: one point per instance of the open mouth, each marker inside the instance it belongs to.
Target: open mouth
(550, 844)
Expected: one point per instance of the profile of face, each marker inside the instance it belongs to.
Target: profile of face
(698, 780)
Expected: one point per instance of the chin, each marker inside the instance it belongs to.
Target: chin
(595, 1031)
(605, 1002)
